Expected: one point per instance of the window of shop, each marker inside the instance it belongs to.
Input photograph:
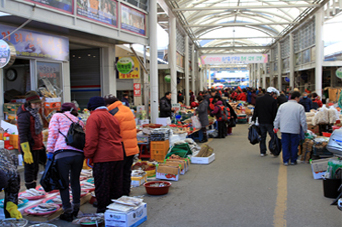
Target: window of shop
(49, 73)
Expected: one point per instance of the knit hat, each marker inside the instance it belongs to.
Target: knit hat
(33, 97)
(3, 180)
(110, 99)
(95, 102)
(68, 106)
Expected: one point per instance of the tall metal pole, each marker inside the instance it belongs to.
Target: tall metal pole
(264, 75)
(186, 68)
(146, 85)
(291, 63)
(319, 51)
(172, 56)
(209, 76)
(279, 66)
(194, 72)
(200, 75)
(153, 61)
(259, 74)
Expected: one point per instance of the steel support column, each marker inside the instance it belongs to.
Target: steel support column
(172, 56)
(319, 51)
(279, 66)
(186, 70)
(291, 62)
(194, 72)
(153, 61)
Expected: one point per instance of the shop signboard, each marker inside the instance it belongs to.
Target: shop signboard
(104, 11)
(137, 89)
(133, 20)
(62, 5)
(35, 44)
(128, 68)
(7, 54)
(234, 59)
(179, 60)
(339, 73)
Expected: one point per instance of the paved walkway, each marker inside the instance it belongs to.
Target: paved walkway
(239, 189)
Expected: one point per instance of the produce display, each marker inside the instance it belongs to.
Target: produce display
(42, 209)
(32, 194)
(12, 222)
(205, 151)
(21, 202)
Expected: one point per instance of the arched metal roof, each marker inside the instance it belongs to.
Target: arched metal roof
(232, 26)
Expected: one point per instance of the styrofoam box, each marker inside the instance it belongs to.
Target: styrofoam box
(319, 168)
(129, 219)
(203, 160)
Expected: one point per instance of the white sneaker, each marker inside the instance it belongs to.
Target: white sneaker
(263, 155)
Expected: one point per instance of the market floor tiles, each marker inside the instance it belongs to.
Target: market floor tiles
(239, 189)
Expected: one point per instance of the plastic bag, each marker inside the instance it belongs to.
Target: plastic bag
(254, 134)
(212, 133)
(195, 122)
(275, 145)
(51, 179)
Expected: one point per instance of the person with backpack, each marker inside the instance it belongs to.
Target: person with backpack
(69, 160)
(104, 149)
(218, 112)
(128, 133)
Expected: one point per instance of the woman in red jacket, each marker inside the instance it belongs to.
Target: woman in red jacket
(104, 147)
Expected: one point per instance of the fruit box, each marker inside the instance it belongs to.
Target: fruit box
(203, 160)
(131, 218)
(165, 172)
(174, 162)
(137, 181)
(319, 167)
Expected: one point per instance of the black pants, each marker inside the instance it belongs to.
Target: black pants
(264, 128)
(222, 129)
(204, 132)
(108, 183)
(31, 170)
(127, 170)
(70, 166)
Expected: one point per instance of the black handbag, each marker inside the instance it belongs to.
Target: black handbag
(51, 179)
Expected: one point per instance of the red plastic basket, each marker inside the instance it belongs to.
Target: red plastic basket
(326, 134)
(157, 190)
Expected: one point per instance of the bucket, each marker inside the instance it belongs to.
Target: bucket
(330, 187)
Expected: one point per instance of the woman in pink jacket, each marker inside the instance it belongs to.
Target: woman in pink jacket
(69, 160)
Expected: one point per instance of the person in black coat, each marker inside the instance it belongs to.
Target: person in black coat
(202, 111)
(265, 110)
(282, 98)
(180, 97)
(165, 106)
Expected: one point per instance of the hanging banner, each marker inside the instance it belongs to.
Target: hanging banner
(137, 89)
(104, 11)
(35, 44)
(133, 20)
(234, 59)
(179, 60)
(7, 54)
(62, 5)
(128, 68)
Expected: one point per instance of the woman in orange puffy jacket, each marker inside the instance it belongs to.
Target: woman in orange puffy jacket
(128, 133)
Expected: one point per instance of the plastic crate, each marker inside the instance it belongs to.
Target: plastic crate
(159, 150)
(14, 140)
(242, 121)
(11, 108)
(321, 152)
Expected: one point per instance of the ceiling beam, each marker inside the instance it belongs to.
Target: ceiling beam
(235, 47)
(229, 38)
(246, 7)
(239, 24)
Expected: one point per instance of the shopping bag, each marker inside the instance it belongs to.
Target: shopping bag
(254, 134)
(51, 179)
(195, 122)
(275, 145)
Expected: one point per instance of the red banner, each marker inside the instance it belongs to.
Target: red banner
(137, 89)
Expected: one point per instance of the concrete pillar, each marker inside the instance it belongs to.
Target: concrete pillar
(2, 92)
(194, 72)
(256, 75)
(291, 61)
(259, 75)
(186, 70)
(271, 69)
(172, 56)
(252, 75)
(209, 76)
(206, 77)
(249, 75)
(319, 51)
(66, 82)
(153, 61)
(108, 73)
(264, 76)
(146, 87)
(279, 66)
(200, 75)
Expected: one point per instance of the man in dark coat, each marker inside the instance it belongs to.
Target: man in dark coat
(266, 111)
(282, 98)
(165, 107)
(125, 100)
(202, 111)
(306, 102)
